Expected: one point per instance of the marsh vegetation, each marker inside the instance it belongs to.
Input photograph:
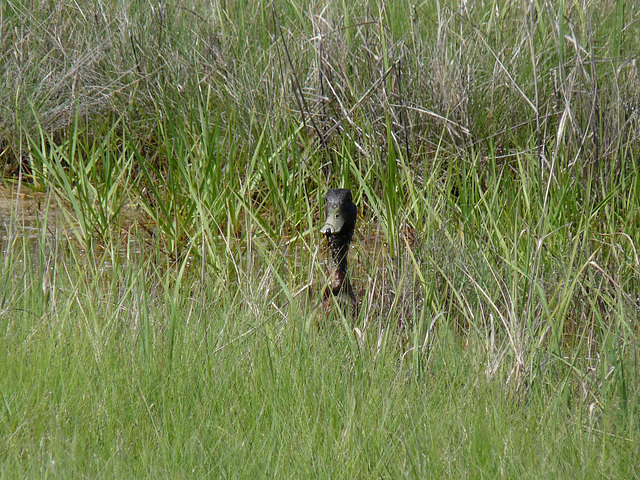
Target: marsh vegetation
(172, 158)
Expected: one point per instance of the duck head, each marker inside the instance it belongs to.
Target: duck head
(341, 213)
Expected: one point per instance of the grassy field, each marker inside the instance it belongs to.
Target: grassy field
(157, 312)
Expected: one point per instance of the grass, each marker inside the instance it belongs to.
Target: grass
(161, 321)
(95, 386)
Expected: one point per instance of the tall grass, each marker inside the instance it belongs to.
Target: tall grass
(162, 323)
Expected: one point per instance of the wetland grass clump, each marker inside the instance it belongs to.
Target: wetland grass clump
(172, 160)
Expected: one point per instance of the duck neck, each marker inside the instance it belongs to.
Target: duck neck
(339, 245)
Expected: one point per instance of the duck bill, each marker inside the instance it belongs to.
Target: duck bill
(334, 222)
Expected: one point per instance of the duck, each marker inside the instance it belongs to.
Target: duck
(340, 223)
